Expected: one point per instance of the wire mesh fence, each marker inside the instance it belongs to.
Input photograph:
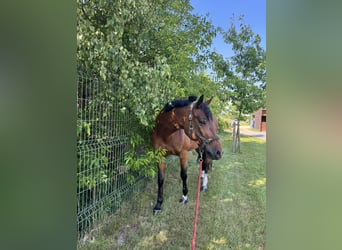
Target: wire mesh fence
(103, 133)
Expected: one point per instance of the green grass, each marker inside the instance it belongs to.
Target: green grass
(231, 212)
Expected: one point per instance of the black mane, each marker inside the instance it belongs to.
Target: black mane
(178, 103)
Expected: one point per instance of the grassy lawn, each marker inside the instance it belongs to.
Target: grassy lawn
(231, 213)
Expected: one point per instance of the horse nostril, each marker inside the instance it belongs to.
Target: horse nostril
(218, 153)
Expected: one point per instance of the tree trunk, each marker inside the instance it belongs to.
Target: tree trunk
(238, 137)
(234, 137)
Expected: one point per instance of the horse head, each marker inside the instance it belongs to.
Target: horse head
(203, 127)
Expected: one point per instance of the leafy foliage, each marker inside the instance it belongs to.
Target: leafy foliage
(148, 49)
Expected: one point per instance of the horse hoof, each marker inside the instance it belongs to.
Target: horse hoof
(183, 201)
(156, 211)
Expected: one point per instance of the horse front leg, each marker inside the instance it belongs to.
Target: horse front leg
(204, 176)
(183, 173)
(161, 174)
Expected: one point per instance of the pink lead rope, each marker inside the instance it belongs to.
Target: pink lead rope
(197, 204)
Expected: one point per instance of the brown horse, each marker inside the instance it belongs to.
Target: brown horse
(184, 125)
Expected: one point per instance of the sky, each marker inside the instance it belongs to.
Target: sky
(221, 11)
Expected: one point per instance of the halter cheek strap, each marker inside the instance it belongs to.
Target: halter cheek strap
(191, 127)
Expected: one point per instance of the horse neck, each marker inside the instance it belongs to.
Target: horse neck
(175, 119)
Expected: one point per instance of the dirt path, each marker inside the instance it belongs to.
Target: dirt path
(247, 131)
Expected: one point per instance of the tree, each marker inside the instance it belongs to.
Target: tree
(243, 76)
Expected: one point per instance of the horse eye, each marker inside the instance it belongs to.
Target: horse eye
(202, 122)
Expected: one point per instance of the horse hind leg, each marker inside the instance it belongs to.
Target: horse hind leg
(161, 174)
(183, 173)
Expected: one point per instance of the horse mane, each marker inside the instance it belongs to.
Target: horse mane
(178, 103)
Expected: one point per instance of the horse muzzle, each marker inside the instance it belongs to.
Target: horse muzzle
(214, 153)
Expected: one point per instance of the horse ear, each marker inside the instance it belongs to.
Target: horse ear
(208, 101)
(199, 102)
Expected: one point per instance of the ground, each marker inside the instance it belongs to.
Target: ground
(232, 213)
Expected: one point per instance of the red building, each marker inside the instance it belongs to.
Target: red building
(260, 120)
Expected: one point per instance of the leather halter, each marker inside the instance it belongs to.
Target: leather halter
(204, 140)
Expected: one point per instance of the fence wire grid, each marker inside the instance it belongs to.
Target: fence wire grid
(103, 180)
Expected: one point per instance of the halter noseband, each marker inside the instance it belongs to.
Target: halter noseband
(204, 140)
